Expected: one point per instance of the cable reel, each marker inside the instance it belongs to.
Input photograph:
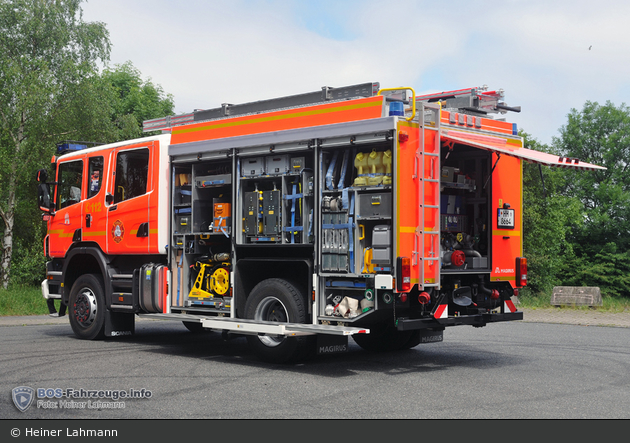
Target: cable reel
(220, 280)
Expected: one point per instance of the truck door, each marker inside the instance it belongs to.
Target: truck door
(129, 198)
(67, 222)
(94, 221)
(507, 216)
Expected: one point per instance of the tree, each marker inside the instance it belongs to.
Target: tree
(46, 51)
(599, 134)
(548, 217)
(135, 100)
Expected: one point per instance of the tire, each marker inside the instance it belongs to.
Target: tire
(385, 338)
(86, 308)
(278, 300)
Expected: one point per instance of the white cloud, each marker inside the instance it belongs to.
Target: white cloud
(209, 52)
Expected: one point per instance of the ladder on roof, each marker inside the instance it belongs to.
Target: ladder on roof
(474, 100)
(326, 94)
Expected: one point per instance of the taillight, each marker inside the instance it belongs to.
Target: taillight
(521, 271)
(403, 274)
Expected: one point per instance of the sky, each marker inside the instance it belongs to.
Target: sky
(549, 56)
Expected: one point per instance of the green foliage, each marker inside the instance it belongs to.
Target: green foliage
(135, 100)
(51, 91)
(599, 134)
(22, 300)
(608, 269)
(547, 221)
(29, 263)
(46, 49)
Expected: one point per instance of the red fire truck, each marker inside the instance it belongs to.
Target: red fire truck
(298, 221)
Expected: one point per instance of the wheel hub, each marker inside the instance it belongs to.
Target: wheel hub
(84, 308)
(271, 309)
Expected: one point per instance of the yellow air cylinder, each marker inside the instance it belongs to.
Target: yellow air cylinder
(375, 163)
(387, 164)
(361, 163)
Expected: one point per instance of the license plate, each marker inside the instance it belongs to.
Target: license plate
(505, 219)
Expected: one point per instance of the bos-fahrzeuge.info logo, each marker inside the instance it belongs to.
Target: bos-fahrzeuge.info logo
(70, 398)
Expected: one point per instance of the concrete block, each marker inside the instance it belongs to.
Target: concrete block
(576, 295)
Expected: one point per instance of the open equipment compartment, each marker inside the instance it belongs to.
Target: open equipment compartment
(202, 227)
(465, 188)
(356, 253)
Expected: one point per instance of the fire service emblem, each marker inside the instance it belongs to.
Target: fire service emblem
(118, 231)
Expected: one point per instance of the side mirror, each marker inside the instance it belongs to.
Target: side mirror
(43, 197)
(42, 176)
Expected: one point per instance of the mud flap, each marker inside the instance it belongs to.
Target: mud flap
(119, 323)
(331, 344)
(431, 335)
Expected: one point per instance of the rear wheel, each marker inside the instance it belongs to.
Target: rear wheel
(277, 300)
(86, 308)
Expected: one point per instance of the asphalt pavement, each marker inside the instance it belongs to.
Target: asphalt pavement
(560, 315)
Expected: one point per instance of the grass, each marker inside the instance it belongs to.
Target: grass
(542, 301)
(23, 300)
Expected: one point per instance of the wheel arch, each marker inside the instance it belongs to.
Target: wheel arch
(84, 260)
(250, 272)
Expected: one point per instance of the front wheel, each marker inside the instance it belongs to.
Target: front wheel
(277, 300)
(86, 308)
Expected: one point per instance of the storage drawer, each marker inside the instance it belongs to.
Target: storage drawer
(376, 205)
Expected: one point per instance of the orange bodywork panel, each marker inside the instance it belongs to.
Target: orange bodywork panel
(485, 124)
(326, 114)
(411, 231)
(114, 227)
(126, 218)
(507, 244)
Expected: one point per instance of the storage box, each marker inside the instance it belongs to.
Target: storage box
(448, 173)
(476, 262)
(451, 204)
(213, 180)
(277, 164)
(182, 221)
(381, 245)
(297, 164)
(252, 167)
(375, 205)
(222, 214)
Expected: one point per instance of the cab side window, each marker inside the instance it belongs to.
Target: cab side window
(69, 181)
(132, 172)
(95, 174)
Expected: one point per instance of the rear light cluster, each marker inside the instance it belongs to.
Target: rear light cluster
(403, 274)
(521, 271)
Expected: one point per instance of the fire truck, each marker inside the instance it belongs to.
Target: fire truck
(298, 221)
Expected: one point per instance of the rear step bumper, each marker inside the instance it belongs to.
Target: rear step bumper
(409, 324)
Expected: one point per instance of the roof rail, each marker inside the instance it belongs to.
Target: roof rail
(327, 93)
